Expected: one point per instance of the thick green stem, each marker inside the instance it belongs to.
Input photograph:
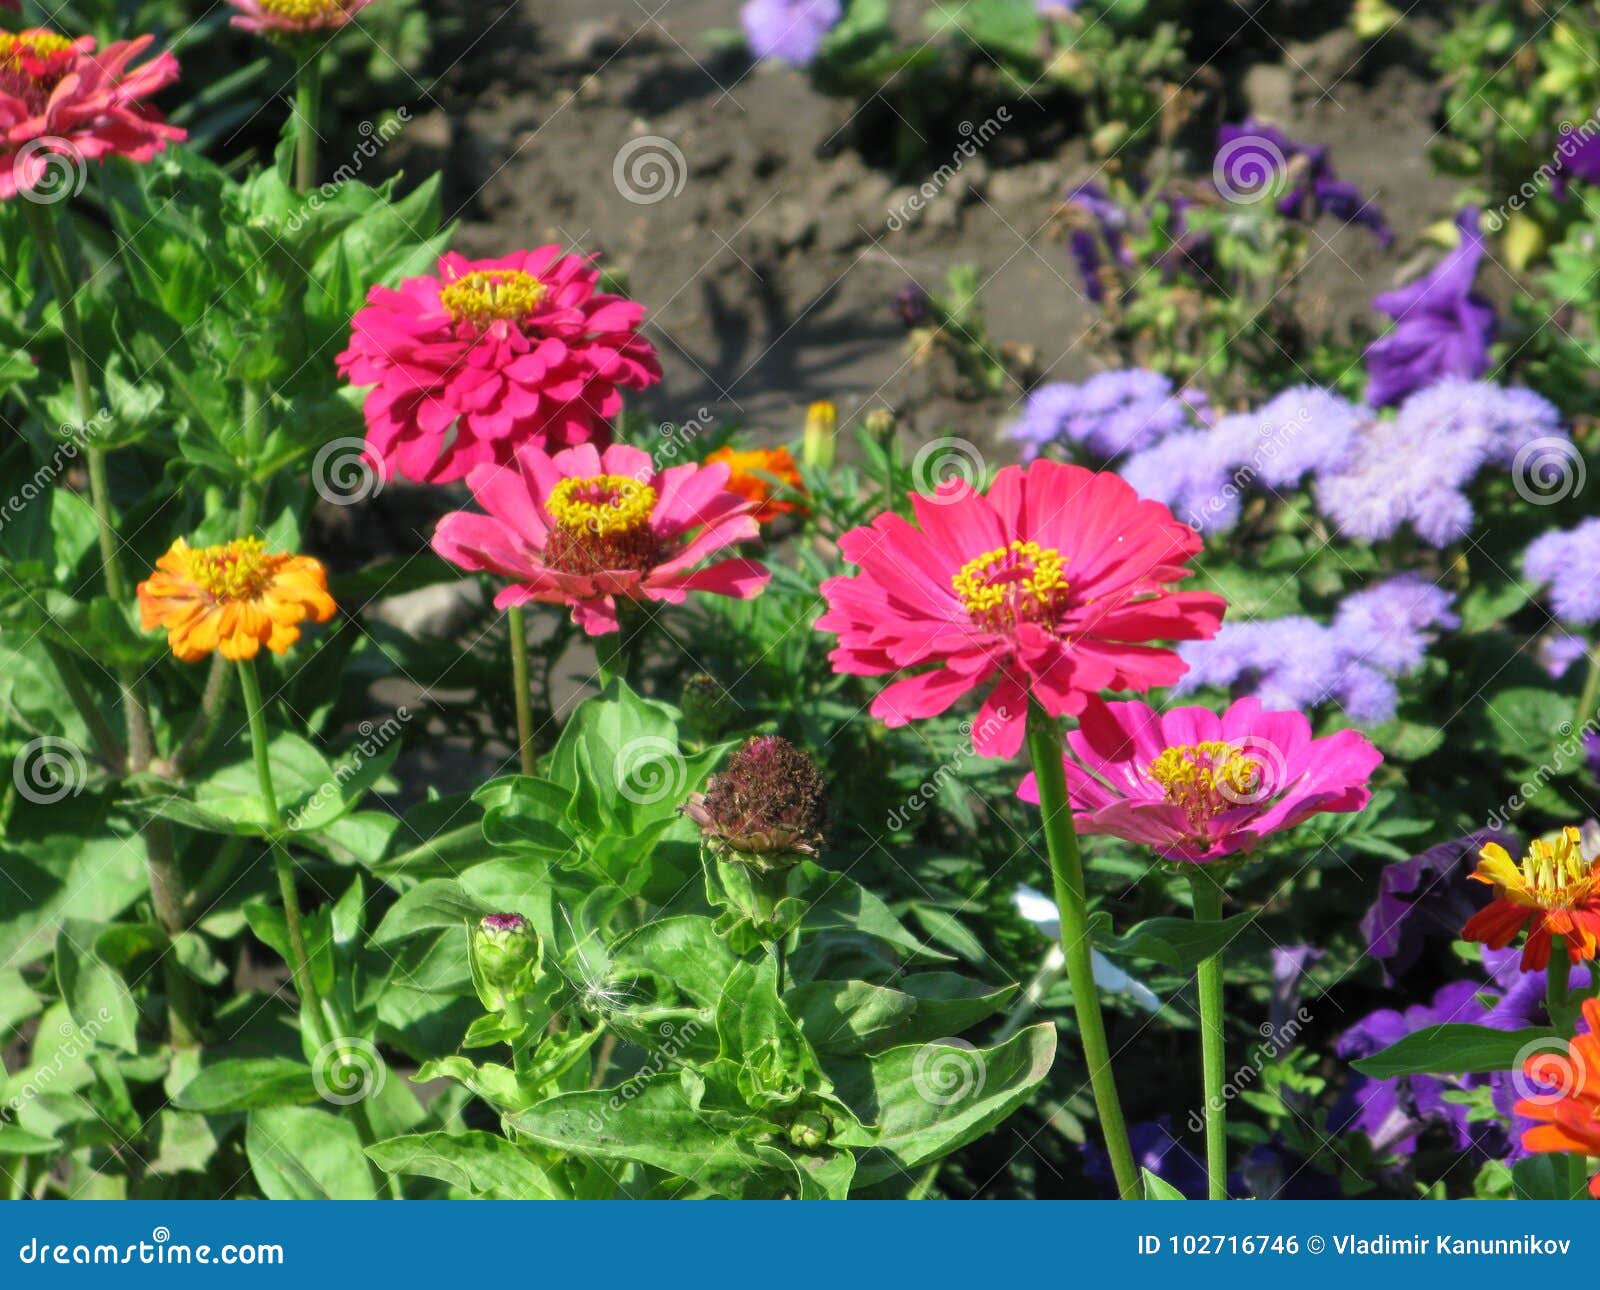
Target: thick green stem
(1590, 695)
(1066, 871)
(1208, 909)
(521, 1053)
(517, 624)
(307, 111)
(1558, 1000)
(615, 650)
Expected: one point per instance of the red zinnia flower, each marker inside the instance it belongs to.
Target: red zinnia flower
(1051, 585)
(582, 528)
(501, 352)
(294, 17)
(1197, 786)
(1555, 886)
(1568, 1119)
(59, 97)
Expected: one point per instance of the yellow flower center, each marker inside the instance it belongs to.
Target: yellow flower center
(32, 64)
(602, 522)
(1553, 875)
(485, 296)
(305, 11)
(1021, 582)
(1207, 779)
(238, 570)
(14, 47)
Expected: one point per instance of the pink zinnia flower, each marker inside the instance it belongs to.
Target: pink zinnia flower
(1051, 585)
(58, 97)
(584, 527)
(1196, 786)
(294, 17)
(499, 351)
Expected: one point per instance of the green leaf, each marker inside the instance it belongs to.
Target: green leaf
(438, 902)
(848, 1017)
(683, 956)
(1179, 943)
(102, 1007)
(481, 1164)
(1156, 1189)
(1457, 1049)
(835, 903)
(301, 1154)
(247, 1084)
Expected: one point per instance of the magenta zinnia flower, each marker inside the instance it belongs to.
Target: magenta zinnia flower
(294, 17)
(59, 98)
(1051, 585)
(1196, 786)
(584, 527)
(501, 352)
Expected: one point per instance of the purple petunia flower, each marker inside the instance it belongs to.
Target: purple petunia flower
(789, 30)
(1156, 1148)
(1101, 231)
(1109, 414)
(1425, 896)
(1577, 157)
(1442, 327)
(1563, 560)
(1302, 171)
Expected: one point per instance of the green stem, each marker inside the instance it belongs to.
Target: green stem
(307, 110)
(1557, 990)
(1066, 871)
(780, 957)
(107, 744)
(516, 622)
(521, 1055)
(1208, 909)
(1590, 695)
(615, 649)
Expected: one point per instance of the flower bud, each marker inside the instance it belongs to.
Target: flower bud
(809, 1130)
(816, 445)
(913, 306)
(879, 423)
(766, 809)
(507, 959)
(705, 706)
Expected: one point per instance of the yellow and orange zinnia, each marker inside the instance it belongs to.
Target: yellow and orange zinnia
(1567, 1119)
(749, 471)
(1554, 885)
(235, 598)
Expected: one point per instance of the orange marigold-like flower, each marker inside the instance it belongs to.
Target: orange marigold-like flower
(749, 479)
(1567, 1116)
(235, 598)
(1554, 886)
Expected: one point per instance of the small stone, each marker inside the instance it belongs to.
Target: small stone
(441, 610)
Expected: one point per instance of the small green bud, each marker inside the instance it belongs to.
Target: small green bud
(705, 706)
(507, 959)
(809, 1130)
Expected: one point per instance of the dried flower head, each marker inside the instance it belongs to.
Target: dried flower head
(767, 807)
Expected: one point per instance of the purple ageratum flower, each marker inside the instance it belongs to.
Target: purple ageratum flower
(1563, 560)
(1109, 414)
(1303, 171)
(1559, 652)
(1196, 486)
(1414, 467)
(1427, 896)
(1387, 625)
(1442, 327)
(789, 30)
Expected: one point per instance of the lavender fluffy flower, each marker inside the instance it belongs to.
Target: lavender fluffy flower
(1300, 173)
(1564, 561)
(1196, 485)
(789, 30)
(1388, 625)
(1109, 414)
(1442, 327)
(1413, 468)
(1559, 652)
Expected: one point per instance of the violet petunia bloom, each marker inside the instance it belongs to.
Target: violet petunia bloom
(1099, 231)
(1577, 157)
(1442, 326)
(1300, 173)
(1425, 896)
(1156, 1148)
(789, 30)
(1199, 787)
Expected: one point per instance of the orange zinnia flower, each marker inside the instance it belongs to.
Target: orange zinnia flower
(1554, 886)
(236, 598)
(1568, 1117)
(753, 487)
